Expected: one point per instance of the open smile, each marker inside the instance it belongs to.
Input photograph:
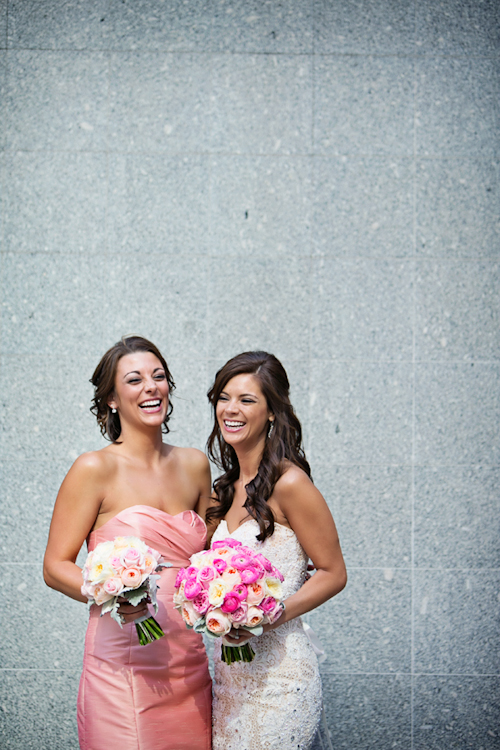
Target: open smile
(233, 426)
(151, 406)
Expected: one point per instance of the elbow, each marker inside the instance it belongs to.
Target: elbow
(342, 581)
(47, 575)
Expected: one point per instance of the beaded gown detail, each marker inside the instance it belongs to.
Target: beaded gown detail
(275, 700)
(154, 697)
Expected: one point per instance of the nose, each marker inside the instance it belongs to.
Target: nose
(231, 407)
(150, 385)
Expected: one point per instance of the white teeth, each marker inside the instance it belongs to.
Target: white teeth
(228, 423)
(150, 404)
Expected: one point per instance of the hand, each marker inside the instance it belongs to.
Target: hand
(238, 636)
(129, 613)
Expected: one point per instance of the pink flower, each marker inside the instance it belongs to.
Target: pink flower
(191, 589)
(206, 574)
(132, 558)
(220, 545)
(191, 572)
(264, 562)
(116, 563)
(240, 590)
(231, 603)
(249, 575)
(219, 565)
(229, 542)
(201, 603)
(267, 604)
(255, 594)
(240, 562)
(181, 576)
(254, 617)
(239, 615)
(131, 577)
(275, 614)
(276, 573)
(113, 586)
(217, 622)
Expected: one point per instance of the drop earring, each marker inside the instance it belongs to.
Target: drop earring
(271, 428)
(113, 411)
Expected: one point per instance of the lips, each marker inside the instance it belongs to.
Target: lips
(231, 425)
(151, 405)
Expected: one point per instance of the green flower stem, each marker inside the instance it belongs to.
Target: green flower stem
(230, 654)
(148, 631)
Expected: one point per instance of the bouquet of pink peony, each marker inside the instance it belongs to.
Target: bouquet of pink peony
(124, 569)
(229, 586)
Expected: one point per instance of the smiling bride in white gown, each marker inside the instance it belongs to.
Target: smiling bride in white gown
(265, 499)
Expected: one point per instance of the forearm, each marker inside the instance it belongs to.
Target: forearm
(66, 577)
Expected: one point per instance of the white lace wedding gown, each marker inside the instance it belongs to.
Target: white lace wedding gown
(273, 702)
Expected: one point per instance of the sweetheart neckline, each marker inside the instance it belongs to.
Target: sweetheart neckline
(150, 507)
(252, 520)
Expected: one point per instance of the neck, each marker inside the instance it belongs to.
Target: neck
(143, 446)
(249, 462)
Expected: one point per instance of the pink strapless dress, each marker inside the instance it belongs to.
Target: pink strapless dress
(154, 697)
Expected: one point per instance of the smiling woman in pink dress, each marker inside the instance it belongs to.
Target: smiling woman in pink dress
(131, 697)
(267, 502)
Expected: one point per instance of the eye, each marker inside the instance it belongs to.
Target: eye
(222, 398)
(160, 376)
(134, 380)
(247, 401)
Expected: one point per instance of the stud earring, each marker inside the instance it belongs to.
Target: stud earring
(271, 428)
(113, 411)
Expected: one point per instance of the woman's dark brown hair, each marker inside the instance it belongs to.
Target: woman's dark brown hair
(284, 443)
(103, 381)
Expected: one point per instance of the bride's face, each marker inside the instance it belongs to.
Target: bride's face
(242, 412)
(141, 390)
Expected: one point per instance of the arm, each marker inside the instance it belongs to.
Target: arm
(296, 501)
(76, 508)
(307, 513)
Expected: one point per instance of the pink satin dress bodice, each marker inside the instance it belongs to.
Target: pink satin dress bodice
(154, 697)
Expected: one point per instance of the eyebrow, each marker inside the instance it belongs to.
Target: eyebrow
(240, 395)
(138, 372)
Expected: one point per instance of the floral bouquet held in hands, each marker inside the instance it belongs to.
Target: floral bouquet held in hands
(229, 586)
(124, 569)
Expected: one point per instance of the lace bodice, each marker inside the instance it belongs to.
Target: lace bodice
(275, 700)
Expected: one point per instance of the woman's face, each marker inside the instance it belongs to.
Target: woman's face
(242, 412)
(141, 390)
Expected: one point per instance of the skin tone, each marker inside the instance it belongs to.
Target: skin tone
(243, 416)
(139, 470)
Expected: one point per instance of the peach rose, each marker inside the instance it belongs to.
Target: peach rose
(131, 577)
(254, 617)
(217, 622)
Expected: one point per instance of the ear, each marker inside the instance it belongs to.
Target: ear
(111, 401)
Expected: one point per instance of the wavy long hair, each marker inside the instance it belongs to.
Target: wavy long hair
(284, 443)
(103, 381)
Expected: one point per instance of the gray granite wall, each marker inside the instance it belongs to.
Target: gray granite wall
(318, 178)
